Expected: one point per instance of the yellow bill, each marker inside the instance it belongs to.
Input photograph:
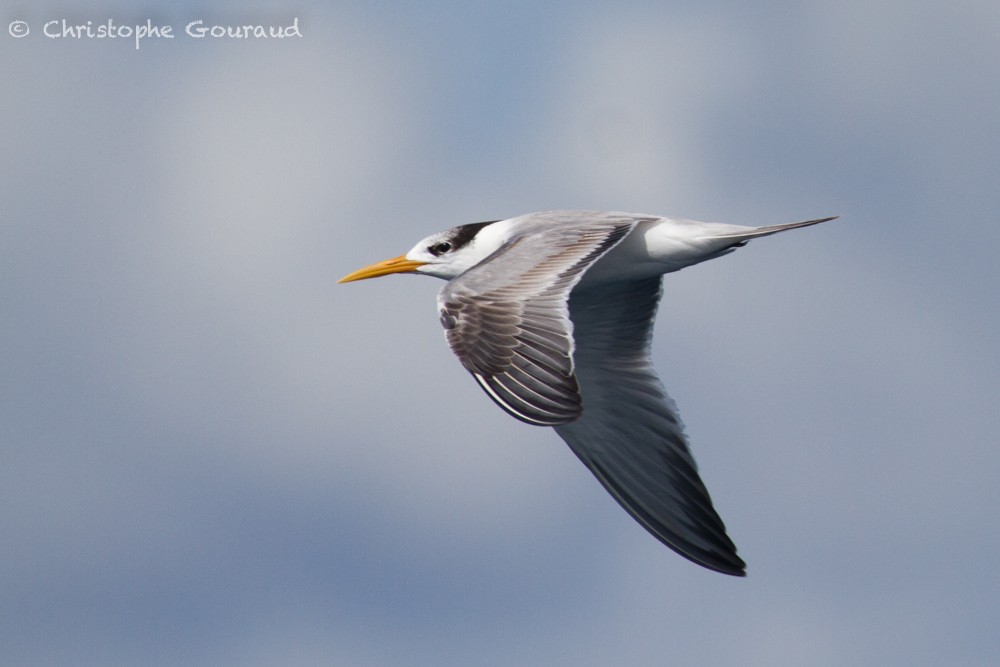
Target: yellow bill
(395, 265)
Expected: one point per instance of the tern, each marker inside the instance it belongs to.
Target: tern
(552, 313)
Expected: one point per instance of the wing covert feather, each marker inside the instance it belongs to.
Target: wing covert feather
(507, 318)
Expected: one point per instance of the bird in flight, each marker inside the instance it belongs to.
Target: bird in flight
(552, 314)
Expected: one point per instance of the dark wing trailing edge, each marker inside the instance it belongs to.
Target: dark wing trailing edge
(507, 318)
(629, 435)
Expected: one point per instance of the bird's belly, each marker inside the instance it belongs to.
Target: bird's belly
(657, 247)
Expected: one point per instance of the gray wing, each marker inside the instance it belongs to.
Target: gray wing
(507, 318)
(629, 434)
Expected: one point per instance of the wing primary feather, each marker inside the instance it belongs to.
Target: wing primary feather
(629, 435)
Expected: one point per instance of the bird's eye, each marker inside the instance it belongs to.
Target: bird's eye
(439, 248)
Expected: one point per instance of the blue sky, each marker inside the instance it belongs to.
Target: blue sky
(212, 454)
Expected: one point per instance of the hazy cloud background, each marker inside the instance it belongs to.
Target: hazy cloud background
(211, 454)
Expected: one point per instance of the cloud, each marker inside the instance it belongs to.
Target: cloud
(212, 451)
(633, 103)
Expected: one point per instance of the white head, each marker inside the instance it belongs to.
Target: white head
(442, 255)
